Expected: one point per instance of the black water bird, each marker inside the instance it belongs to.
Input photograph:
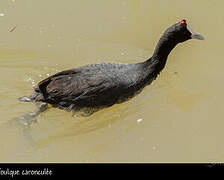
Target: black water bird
(97, 86)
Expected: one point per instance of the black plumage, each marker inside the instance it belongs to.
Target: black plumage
(102, 85)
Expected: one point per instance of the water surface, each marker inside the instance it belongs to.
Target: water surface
(178, 118)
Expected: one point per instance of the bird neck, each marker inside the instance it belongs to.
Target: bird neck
(163, 48)
(154, 65)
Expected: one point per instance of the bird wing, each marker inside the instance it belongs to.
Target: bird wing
(79, 84)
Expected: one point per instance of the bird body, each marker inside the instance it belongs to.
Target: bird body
(96, 85)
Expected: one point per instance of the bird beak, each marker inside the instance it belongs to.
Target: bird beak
(197, 36)
(194, 35)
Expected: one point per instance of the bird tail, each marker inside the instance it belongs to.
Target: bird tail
(25, 99)
(35, 96)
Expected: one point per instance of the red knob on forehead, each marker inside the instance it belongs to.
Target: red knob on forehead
(183, 22)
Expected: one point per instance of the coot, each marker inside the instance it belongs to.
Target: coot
(97, 86)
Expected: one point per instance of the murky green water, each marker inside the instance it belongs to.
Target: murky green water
(178, 118)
